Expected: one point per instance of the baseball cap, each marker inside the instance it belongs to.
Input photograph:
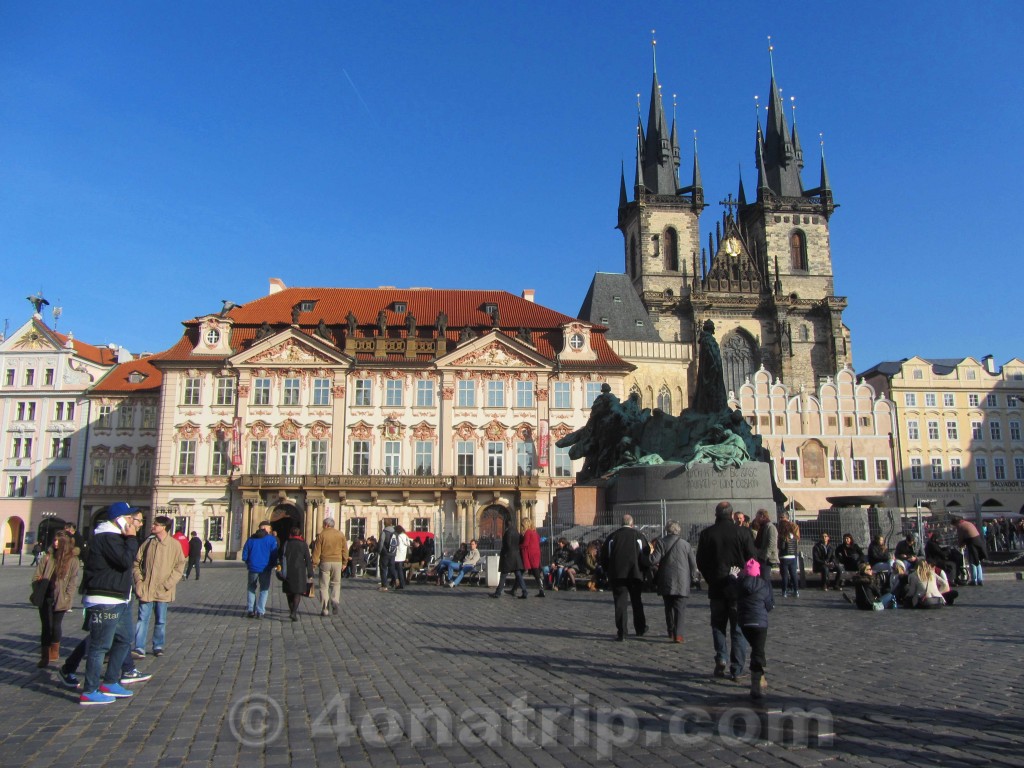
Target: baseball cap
(120, 509)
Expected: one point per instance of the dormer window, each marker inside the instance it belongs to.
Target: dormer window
(307, 305)
(639, 323)
(617, 299)
(490, 309)
(399, 307)
(136, 378)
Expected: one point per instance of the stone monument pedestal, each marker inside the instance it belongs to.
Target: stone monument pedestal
(690, 495)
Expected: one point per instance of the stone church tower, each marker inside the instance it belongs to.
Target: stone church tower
(764, 276)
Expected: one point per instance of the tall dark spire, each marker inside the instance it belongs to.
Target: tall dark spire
(660, 152)
(741, 196)
(623, 199)
(781, 163)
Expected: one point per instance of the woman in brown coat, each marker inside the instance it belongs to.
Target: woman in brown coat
(59, 570)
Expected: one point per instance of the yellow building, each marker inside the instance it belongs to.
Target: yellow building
(960, 440)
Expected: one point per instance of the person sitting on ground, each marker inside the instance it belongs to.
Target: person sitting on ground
(849, 554)
(948, 559)
(867, 590)
(899, 583)
(907, 551)
(945, 586)
(590, 565)
(824, 558)
(924, 589)
(878, 552)
(468, 564)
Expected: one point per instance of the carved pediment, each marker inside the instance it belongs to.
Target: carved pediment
(290, 352)
(493, 354)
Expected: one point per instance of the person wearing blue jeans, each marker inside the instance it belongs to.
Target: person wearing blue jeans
(468, 565)
(260, 556)
(157, 571)
(107, 589)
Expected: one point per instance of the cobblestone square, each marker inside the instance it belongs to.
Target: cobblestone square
(437, 677)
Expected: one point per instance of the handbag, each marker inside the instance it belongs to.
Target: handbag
(279, 571)
(40, 592)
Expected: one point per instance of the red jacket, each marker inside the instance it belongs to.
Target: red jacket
(529, 550)
(183, 540)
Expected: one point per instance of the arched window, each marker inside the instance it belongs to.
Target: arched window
(797, 250)
(491, 527)
(635, 390)
(739, 359)
(634, 265)
(805, 333)
(670, 249)
(665, 400)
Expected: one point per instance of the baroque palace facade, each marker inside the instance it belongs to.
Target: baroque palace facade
(434, 409)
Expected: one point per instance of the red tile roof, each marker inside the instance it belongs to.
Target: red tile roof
(119, 378)
(100, 355)
(463, 307)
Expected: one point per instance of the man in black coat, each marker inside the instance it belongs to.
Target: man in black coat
(722, 546)
(625, 557)
(195, 552)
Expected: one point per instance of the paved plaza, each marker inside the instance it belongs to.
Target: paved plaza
(435, 676)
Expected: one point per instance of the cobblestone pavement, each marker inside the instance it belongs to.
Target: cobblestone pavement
(437, 677)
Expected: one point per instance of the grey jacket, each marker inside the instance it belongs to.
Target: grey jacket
(676, 564)
(768, 544)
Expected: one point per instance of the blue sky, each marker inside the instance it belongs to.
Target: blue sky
(158, 157)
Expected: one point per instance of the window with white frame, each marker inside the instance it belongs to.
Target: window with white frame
(495, 394)
(948, 400)
(910, 399)
(936, 468)
(956, 470)
(261, 391)
(495, 458)
(393, 393)
(991, 401)
(913, 430)
(998, 468)
(420, 524)
(425, 393)
(193, 389)
(318, 457)
(364, 393)
(187, 457)
(355, 528)
(225, 390)
(144, 470)
(881, 469)
(465, 394)
(973, 400)
(221, 458)
(321, 392)
(916, 471)
(561, 395)
(360, 457)
(665, 400)
(465, 451)
(215, 528)
(593, 389)
(258, 457)
(104, 419)
(792, 470)
(860, 470)
(980, 468)
(1015, 430)
(976, 433)
(289, 456)
(933, 430)
(1018, 467)
(562, 463)
(930, 401)
(1011, 401)
(835, 469)
(524, 457)
(995, 429)
(290, 392)
(149, 417)
(392, 457)
(125, 416)
(524, 394)
(122, 466)
(424, 452)
(951, 430)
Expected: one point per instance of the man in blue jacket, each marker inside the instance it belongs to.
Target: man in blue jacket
(260, 557)
(107, 590)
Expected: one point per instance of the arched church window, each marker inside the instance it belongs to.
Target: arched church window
(739, 359)
(805, 333)
(670, 249)
(635, 390)
(665, 400)
(798, 250)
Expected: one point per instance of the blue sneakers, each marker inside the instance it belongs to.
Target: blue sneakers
(95, 697)
(116, 690)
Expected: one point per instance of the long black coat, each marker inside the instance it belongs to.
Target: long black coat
(509, 559)
(720, 547)
(298, 567)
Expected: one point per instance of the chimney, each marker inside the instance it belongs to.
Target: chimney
(990, 364)
(276, 286)
(528, 294)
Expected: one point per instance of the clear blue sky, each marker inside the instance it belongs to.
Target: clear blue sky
(158, 157)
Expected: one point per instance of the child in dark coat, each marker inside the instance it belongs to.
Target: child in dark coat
(753, 602)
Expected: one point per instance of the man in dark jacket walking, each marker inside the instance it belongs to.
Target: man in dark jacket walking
(195, 554)
(722, 546)
(107, 590)
(626, 555)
